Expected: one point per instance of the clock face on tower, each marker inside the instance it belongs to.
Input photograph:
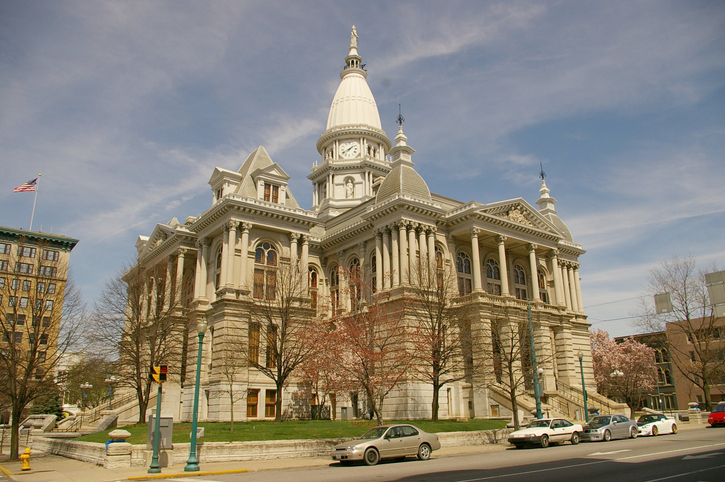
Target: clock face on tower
(349, 149)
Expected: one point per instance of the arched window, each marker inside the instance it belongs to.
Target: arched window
(312, 282)
(493, 277)
(543, 292)
(658, 356)
(665, 355)
(439, 267)
(520, 282)
(661, 380)
(463, 266)
(668, 377)
(374, 273)
(355, 283)
(218, 268)
(334, 290)
(265, 271)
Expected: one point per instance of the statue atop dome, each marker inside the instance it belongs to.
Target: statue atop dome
(353, 38)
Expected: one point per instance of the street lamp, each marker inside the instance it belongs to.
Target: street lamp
(192, 465)
(84, 386)
(112, 381)
(537, 371)
(584, 388)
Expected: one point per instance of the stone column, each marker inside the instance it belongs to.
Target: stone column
(572, 288)
(567, 291)
(395, 268)
(558, 287)
(293, 237)
(225, 256)
(363, 274)
(178, 290)
(168, 285)
(386, 258)
(534, 273)
(245, 255)
(201, 268)
(403, 240)
(476, 260)
(380, 274)
(431, 247)
(231, 257)
(578, 288)
(504, 265)
(423, 248)
(412, 248)
(305, 261)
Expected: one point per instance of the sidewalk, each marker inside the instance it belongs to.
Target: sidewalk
(53, 468)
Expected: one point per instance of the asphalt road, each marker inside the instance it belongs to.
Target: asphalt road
(696, 455)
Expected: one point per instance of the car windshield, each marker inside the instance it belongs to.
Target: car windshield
(539, 423)
(597, 422)
(647, 419)
(718, 408)
(376, 432)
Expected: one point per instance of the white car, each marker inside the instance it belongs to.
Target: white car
(545, 431)
(655, 424)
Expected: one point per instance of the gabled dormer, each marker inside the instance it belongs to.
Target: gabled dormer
(223, 182)
(271, 182)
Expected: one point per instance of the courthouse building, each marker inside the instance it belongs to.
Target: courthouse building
(370, 208)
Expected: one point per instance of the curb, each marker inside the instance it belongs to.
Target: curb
(7, 473)
(186, 474)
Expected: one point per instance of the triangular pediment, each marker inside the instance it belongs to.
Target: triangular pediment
(519, 211)
(274, 172)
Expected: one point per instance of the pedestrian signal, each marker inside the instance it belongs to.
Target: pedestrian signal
(158, 374)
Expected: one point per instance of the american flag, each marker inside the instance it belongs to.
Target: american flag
(28, 186)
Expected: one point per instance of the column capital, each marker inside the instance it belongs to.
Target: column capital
(532, 247)
(181, 252)
(474, 232)
(202, 242)
(246, 227)
(554, 253)
(412, 225)
(500, 239)
(230, 226)
(431, 229)
(379, 233)
(294, 236)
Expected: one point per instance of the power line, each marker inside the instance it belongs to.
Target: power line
(614, 319)
(616, 301)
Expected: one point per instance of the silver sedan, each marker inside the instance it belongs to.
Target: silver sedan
(387, 441)
(608, 427)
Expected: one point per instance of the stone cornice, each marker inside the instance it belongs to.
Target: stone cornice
(403, 202)
(348, 130)
(462, 216)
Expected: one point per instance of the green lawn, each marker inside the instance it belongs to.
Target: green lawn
(247, 431)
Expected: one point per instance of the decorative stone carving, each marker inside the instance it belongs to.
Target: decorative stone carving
(516, 215)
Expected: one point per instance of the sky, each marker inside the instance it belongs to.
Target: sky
(126, 108)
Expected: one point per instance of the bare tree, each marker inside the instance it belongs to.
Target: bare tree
(442, 342)
(232, 362)
(139, 320)
(702, 359)
(282, 314)
(36, 332)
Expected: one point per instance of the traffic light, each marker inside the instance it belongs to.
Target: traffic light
(158, 374)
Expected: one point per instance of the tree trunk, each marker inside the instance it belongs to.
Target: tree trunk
(15, 431)
(435, 403)
(515, 409)
(231, 408)
(278, 402)
(142, 406)
(708, 400)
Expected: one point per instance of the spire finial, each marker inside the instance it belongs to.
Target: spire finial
(353, 38)
(542, 174)
(400, 119)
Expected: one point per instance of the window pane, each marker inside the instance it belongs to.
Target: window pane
(258, 283)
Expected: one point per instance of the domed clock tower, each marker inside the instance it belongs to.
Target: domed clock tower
(353, 148)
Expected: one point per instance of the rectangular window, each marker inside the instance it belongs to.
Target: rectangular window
(51, 288)
(24, 268)
(2, 283)
(4, 248)
(20, 320)
(267, 189)
(18, 335)
(41, 287)
(275, 194)
(3, 265)
(44, 339)
(50, 255)
(252, 402)
(254, 343)
(23, 302)
(12, 301)
(14, 284)
(271, 287)
(41, 356)
(48, 305)
(270, 403)
(26, 251)
(27, 284)
(271, 346)
(48, 271)
(258, 283)
(46, 321)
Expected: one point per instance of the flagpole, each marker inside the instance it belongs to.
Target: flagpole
(32, 215)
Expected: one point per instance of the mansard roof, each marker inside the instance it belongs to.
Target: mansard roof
(259, 163)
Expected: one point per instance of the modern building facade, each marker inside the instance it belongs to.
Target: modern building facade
(372, 210)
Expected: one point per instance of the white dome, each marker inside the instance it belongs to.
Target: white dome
(353, 103)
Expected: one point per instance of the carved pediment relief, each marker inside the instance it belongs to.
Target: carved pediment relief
(516, 214)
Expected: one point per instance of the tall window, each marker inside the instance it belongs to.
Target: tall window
(463, 265)
(272, 346)
(252, 402)
(355, 282)
(493, 277)
(4, 248)
(254, 343)
(312, 283)
(374, 273)
(265, 271)
(334, 290)
(439, 267)
(218, 269)
(271, 193)
(270, 403)
(520, 282)
(543, 292)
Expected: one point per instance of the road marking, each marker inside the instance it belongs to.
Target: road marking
(703, 456)
(686, 473)
(669, 451)
(608, 453)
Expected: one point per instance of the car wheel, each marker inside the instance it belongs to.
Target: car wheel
(372, 456)
(544, 441)
(424, 452)
(674, 428)
(655, 431)
(633, 432)
(607, 435)
(575, 438)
